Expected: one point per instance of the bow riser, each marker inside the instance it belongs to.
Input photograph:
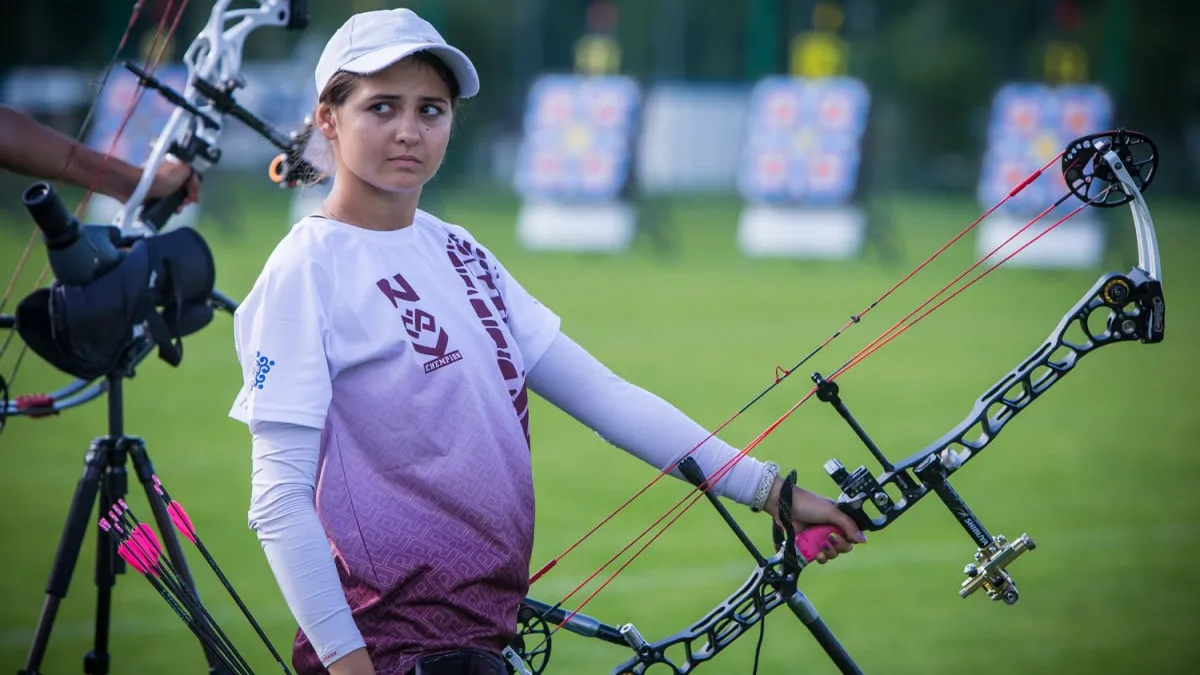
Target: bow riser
(194, 128)
(1135, 312)
(1097, 169)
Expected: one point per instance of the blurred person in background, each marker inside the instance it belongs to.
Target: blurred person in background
(32, 149)
(386, 357)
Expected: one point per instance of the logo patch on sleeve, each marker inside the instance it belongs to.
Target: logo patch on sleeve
(262, 366)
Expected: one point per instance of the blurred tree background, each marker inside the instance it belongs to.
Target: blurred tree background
(932, 65)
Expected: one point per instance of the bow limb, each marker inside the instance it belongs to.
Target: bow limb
(772, 584)
(1147, 239)
(682, 652)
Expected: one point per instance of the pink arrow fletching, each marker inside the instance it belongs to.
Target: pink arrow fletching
(145, 538)
(135, 557)
(182, 522)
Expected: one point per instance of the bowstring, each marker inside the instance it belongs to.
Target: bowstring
(695, 495)
(858, 358)
(854, 319)
(153, 58)
(883, 337)
(900, 326)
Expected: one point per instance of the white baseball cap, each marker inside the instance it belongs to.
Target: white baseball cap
(371, 41)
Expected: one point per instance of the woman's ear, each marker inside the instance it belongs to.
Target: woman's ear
(325, 121)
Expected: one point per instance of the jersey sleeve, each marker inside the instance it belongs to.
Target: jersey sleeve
(280, 334)
(532, 324)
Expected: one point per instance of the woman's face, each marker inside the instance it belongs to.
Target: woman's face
(392, 130)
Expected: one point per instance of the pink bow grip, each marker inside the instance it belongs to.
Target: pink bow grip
(810, 540)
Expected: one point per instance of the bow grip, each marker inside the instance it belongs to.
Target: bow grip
(157, 211)
(809, 540)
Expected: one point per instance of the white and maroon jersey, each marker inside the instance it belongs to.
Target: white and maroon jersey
(409, 350)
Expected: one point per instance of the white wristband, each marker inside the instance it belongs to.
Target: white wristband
(770, 472)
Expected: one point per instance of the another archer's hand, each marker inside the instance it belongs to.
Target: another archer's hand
(810, 509)
(170, 177)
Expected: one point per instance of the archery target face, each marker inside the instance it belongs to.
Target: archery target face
(554, 108)
(803, 141)
(578, 137)
(836, 112)
(771, 171)
(1023, 117)
(149, 117)
(1029, 126)
(827, 172)
(599, 170)
(782, 109)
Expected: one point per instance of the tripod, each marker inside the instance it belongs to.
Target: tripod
(105, 477)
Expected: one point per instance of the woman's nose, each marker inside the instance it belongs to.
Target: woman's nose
(408, 130)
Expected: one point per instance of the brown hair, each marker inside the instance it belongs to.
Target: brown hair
(342, 83)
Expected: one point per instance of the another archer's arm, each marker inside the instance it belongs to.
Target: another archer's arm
(33, 149)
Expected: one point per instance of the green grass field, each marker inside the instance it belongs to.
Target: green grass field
(1100, 472)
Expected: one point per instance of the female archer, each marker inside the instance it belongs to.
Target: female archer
(387, 356)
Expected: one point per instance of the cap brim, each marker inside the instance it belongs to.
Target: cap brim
(455, 60)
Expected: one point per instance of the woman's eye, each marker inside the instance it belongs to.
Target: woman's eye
(381, 108)
(431, 110)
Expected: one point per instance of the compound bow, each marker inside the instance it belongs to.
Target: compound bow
(1102, 170)
(190, 135)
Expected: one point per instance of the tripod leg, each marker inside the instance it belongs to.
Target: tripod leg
(114, 483)
(166, 531)
(71, 541)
